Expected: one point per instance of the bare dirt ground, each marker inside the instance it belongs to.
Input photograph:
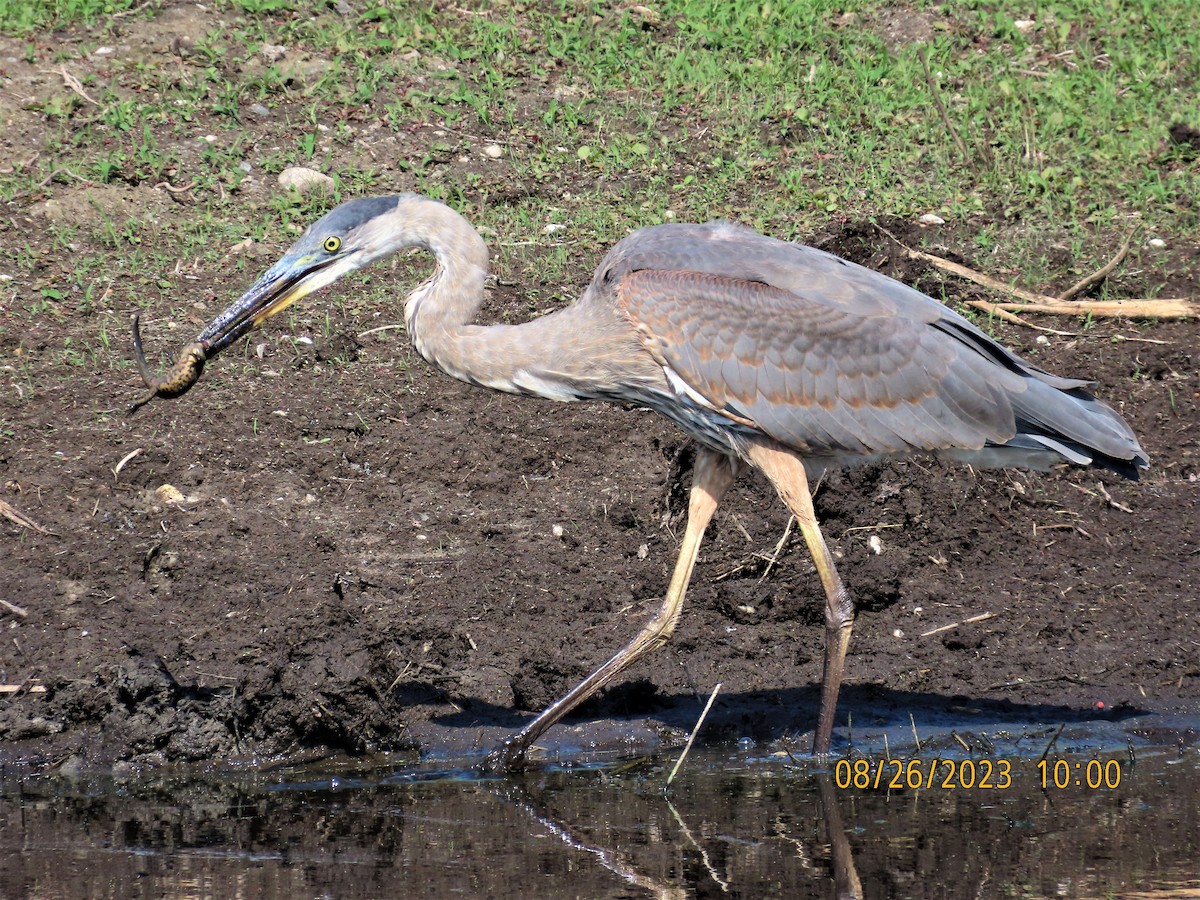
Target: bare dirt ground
(362, 553)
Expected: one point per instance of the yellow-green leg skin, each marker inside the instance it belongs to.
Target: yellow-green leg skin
(711, 477)
(786, 471)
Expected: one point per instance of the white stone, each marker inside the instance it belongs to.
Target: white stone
(306, 181)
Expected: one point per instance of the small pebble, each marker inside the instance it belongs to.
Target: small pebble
(897, 633)
(168, 493)
(556, 530)
(1156, 243)
(493, 151)
(306, 181)
(875, 544)
(931, 219)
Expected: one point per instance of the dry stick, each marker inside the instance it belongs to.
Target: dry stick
(778, 549)
(982, 617)
(1053, 741)
(936, 93)
(989, 308)
(695, 731)
(16, 516)
(72, 82)
(1105, 270)
(687, 833)
(1167, 308)
(916, 738)
(14, 609)
(363, 334)
(1172, 308)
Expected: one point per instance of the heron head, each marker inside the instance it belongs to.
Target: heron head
(344, 240)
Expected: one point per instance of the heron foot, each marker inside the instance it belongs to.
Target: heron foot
(507, 759)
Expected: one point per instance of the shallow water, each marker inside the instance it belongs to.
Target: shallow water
(731, 824)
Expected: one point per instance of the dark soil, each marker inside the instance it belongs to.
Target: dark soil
(364, 554)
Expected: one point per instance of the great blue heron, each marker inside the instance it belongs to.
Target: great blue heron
(768, 353)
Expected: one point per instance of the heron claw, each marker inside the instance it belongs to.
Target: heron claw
(507, 759)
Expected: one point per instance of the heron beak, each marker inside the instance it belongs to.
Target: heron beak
(290, 279)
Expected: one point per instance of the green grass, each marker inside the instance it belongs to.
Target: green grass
(21, 17)
(789, 116)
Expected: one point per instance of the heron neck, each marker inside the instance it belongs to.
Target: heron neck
(583, 350)
(439, 313)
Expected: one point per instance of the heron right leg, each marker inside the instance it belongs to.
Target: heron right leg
(711, 476)
(786, 471)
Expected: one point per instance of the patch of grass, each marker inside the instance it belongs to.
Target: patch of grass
(20, 17)
(787, 117)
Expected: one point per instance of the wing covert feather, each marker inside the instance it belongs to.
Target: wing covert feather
(816, 375)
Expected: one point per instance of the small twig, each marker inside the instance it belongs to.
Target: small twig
(131, 12)
(17, 517)
(687, 833)
(993, 309)
(1053, 741)
(125, 460)
(14, 609)
(916, 737)
(1139, 340)
(695, 731)
(363, 334)
(1111, 502)
(1105, 270)
(1140, 308)
(982, 617)
(936, 93)
(73, 83)
(778, 548)
(1168, 308)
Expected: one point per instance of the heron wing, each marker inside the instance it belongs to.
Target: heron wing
(814, 374)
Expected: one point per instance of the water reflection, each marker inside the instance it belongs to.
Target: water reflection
(729, 827)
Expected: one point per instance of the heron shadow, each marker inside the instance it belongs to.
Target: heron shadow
(636, 716)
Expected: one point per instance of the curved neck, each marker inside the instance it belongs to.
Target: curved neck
(452, 296)
(583, 350)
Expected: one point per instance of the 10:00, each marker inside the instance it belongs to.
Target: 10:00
(1060, 773)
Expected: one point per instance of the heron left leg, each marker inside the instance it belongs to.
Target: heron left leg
(711, 476)
(786, 471)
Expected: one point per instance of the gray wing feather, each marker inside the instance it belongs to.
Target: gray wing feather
(832, 358)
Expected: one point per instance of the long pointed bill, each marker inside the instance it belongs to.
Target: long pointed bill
(293, 277)
(279, 287)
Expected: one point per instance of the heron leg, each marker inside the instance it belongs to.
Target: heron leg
(786, 471)
(711, 476)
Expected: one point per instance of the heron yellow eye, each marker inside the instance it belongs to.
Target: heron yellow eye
(332, 244)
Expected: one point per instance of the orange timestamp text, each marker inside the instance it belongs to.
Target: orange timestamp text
(972, 774)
